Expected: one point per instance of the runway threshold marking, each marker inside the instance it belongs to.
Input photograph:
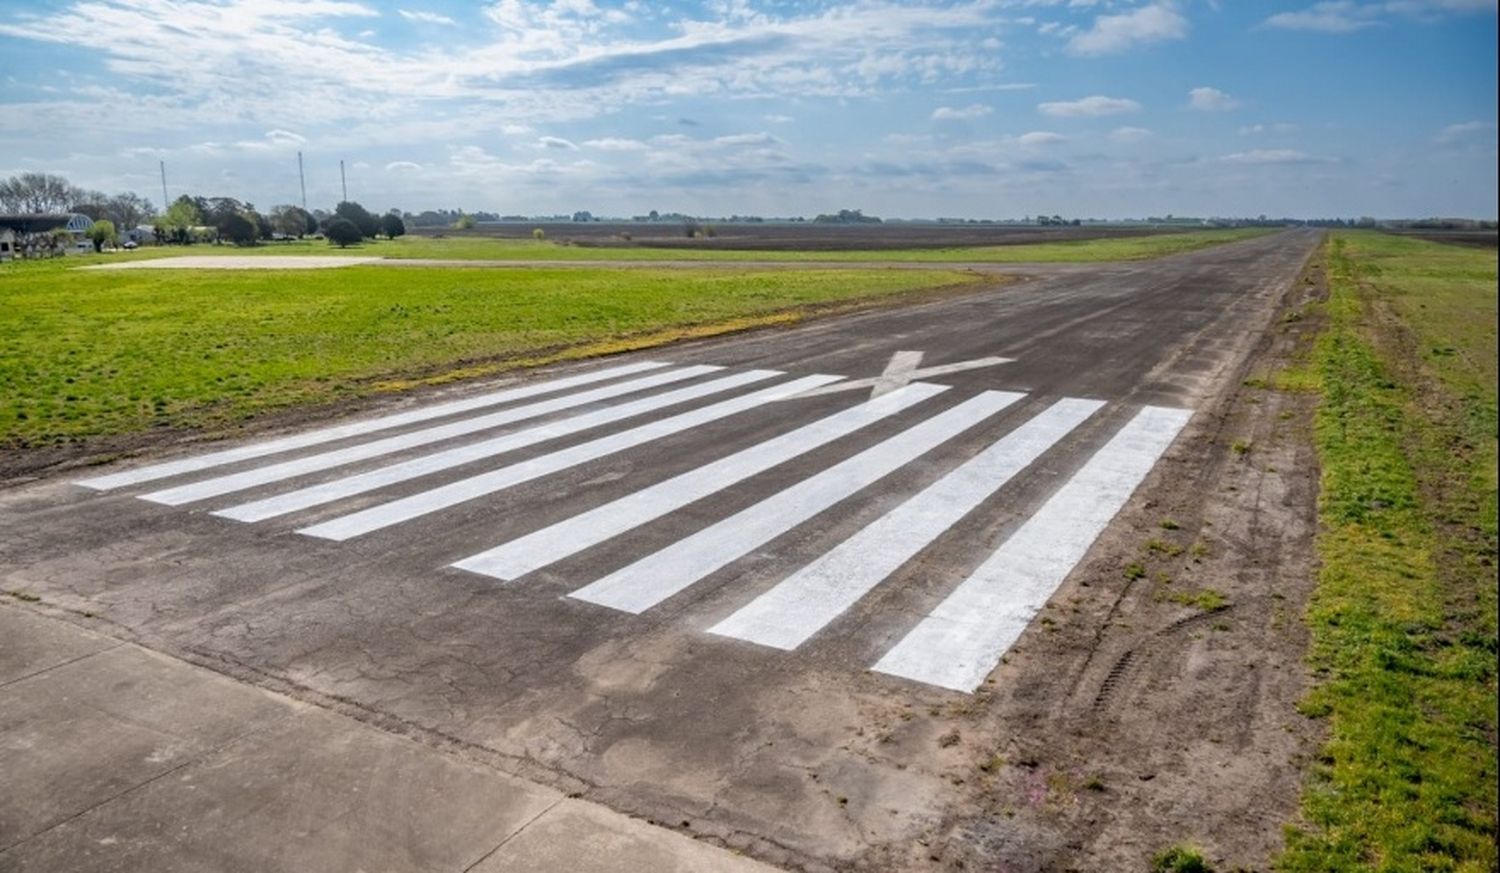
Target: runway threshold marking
(533, 551)
(955, 646)
(210, 460)
(423, 503)
(348, 486)
(903, 369)
(654, 578)
(227, 484)
(963, 638)
(805, 602)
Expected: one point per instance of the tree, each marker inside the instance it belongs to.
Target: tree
(239, 229)
(359, 216)
(217, 210)
(94, 204)
(102, 232)
(392, 226)
(180, 219)
(292, 221)
(464, 222)
(127, 210)
(36, 193)
(342, 232)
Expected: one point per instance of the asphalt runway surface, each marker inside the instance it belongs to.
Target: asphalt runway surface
(725, 585)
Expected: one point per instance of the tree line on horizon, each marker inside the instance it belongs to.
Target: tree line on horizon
(192, 219)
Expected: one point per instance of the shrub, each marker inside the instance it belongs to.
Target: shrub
(342, 232)
(1180, 859)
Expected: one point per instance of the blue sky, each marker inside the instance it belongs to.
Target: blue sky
(970, 108)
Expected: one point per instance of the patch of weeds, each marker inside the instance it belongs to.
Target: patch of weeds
(24, 596)
(1169, 524)
(1240, 448)
(1093, 783)
(1257, 382)
(1162, 547)
(1135, 570)
(1180, 859)
(1205, 599)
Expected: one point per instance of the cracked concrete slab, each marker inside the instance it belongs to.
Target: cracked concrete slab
(124, 759)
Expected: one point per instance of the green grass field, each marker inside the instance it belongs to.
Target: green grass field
(85, 353)
(479, 248)
(1403, 618)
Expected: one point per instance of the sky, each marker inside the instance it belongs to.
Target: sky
(963, 108)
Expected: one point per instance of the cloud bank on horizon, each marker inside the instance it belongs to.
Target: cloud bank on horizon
(960, 108)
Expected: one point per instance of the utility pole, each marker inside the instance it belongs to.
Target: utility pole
(164, 203)
(301, 176)
(343, 182)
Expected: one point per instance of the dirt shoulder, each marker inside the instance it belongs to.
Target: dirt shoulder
(1184, 642)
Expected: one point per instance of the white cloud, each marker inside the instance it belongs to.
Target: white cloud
(1261, 157)
(285, 137)
(778, 119)
(1259, 128)
(746, 139)
(1040, 138)
(1207, 99)
(1348, 16)
(1129, 134)
(615, 144)
(556, 142)
(402, 167)
(1089, 107)
(1112, 34)
(961, 113)
(422, 17)
(1465, 132)
(1336, 16)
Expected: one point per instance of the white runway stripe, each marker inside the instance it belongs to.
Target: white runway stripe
(358, 428)
(315, 495)
(962, 640)
(396, 511)
(228, 484)
(521, 556)
(802, 604)
(656, 577)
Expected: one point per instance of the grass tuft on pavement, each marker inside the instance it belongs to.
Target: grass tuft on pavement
(1403, 617)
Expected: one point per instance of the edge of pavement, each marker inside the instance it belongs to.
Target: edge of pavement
(118, 757)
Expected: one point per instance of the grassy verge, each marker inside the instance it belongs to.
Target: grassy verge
(480, 248)
(89, 353)
(1403, 617)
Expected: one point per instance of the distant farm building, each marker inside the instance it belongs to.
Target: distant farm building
(44, 236)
